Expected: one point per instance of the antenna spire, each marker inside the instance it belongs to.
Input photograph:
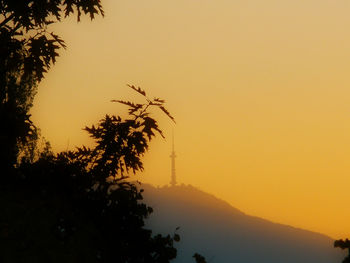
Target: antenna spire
(173, 171)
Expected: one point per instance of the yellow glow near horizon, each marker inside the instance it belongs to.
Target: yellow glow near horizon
(259, 89)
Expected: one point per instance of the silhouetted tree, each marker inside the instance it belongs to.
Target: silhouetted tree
(343, 244)
(99, 214)
(114, 205)
(27, 50)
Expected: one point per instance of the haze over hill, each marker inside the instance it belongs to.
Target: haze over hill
(223, 233)
(259, 90)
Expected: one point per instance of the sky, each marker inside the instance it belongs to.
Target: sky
(259, 90)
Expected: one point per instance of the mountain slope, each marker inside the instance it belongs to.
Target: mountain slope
(222, 233)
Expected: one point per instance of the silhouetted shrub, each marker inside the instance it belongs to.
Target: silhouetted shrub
(343, 244)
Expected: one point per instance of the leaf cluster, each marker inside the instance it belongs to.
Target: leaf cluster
(26, 25)
(343, 244)
(120, 144)
(28, 48)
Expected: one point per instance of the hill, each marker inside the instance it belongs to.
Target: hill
(222, 233)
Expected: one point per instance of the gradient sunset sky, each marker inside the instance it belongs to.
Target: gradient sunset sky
(259, 90)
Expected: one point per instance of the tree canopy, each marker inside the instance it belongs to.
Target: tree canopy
(28, 48)
(25, 27)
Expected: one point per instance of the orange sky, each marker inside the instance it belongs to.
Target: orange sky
(259, 89)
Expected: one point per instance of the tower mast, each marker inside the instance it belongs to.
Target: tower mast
(173, 172)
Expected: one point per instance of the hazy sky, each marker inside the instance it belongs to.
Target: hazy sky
(259, 89)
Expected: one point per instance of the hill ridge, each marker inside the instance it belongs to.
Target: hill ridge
(218, 230)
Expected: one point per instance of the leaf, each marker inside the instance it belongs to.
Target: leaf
(159, 100)
(59, 40)
(176, 237)
(128, 103)
(167, 113)
(138, 89)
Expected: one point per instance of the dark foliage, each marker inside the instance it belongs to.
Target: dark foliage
(25, 26)
(343, 244)
(16, 97)
(199, 258)
(27, 50)
(87, 191)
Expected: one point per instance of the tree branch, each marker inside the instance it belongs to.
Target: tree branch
(7, 19)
